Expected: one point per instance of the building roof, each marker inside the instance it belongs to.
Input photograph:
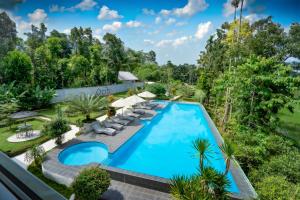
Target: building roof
(127, 76)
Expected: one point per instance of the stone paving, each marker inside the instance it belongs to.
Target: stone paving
(123, 191)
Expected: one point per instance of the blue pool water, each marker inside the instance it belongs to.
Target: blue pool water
(84, 153)
(163, 147)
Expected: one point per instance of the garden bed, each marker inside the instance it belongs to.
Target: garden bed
(13, 149)
(62, 189)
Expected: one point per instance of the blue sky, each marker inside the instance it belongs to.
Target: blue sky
(175, 29)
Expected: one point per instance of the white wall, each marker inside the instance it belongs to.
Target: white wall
(66, 94)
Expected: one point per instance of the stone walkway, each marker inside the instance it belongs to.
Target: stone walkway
(123, 191)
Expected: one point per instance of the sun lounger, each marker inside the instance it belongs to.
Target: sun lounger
(138, 111)
(116, 126)
(98, 129)
(126, 117)
(131, 114)
(120, 121)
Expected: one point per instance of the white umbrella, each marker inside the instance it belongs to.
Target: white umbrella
(119, 103)
(132, 100)
(147, 95)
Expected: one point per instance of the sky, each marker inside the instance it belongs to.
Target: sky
(176, 30)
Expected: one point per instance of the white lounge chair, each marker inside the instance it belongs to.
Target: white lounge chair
(116, 126)
(120, 121)
(98, 129)
(126, 117)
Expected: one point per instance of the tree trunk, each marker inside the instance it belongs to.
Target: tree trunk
(226, 109)
(241, 16)
(227, 166)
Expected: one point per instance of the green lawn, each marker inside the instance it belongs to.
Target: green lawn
(290, 123)
(62, 189)
(13, 149)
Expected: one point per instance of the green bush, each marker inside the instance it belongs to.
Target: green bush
(36, 98)
(91, 183)
(156, 88)
(111, 111)
(277, 188)
(286, 165)
(57, 127)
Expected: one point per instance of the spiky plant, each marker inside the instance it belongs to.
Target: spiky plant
(228, 150)
(35, 154)
(203, 149)
(86, 104)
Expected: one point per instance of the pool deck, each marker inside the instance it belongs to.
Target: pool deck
(128, 183)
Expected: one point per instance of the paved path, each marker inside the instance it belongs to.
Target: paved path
(50, 144)
(123, 191)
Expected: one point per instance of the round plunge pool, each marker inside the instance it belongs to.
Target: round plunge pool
(84, 153)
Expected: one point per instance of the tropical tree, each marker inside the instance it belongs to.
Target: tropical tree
(8, 34)
(235, 4)
(86, 104)
(228, 151)
(35, 154)
(204, 151)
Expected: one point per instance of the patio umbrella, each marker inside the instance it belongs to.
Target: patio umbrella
(23, 115)
(119, 103)
(147, 95)
(132, 100)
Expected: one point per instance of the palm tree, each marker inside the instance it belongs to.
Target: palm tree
(86, 104)
(241, 15)
(208, 184)
(235, 4)
(204, 150)
(228, 151)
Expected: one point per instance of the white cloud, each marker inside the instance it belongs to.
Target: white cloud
(38, 16)
(157, 20)
(114, 27)
(23, 26)
(165, 12)
(133, 24)
(67, 31)
(175, 43)
(228, 9)
(154, 32)
(172, 33)
(164, 43)
(149, 42)
(203, 29)
(85, 5)
(147, 11)
(191, 8)
(170, 21)
(180, 41)
(181, 23)
(254, 17)
(106, 13)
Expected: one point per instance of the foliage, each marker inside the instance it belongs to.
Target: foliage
(111, 98)
(36, 98)
(277, 188)
(111, 111)
(91, 183)
(86, 104)
(186, 90)
(204, 151)
(200, 95)
(57, 127)
(17, 68)
(8, 34)
(6, 109)
(35, 154)
(62, 189)
(228, 151)
(156, 88)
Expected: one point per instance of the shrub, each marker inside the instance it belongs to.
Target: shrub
(111, 111)
(111, 98)
(35, 154)
(286, 165)
(277, 188)
(130, 92)
(156, 88)
(36, 98)
(91, 183)
(57, 127)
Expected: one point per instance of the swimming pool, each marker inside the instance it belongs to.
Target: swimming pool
(163, 147)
